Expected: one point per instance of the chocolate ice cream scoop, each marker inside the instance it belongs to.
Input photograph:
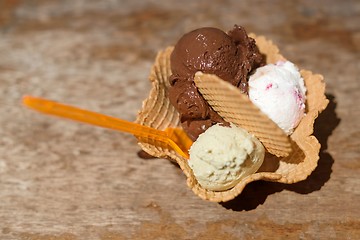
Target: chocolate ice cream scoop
(209, 50)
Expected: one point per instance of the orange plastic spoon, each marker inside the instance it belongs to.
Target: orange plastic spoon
(173, 137)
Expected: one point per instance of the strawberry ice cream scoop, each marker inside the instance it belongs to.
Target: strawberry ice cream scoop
(279, 91)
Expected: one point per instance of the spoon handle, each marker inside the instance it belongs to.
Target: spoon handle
(98, 119)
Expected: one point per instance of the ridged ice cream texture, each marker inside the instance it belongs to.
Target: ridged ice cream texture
(279, 91)
(222, 156)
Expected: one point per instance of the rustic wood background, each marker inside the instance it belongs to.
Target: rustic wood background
(64, 180)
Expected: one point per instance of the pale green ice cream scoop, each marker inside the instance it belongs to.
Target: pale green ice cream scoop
(222, 156)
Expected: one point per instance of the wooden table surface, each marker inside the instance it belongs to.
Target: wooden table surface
(64, 180)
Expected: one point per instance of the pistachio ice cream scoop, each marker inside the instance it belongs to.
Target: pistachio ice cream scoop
(222, 156)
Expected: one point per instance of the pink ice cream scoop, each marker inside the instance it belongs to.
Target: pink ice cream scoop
(279, 91)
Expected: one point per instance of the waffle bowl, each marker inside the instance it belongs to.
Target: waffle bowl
(296, 165)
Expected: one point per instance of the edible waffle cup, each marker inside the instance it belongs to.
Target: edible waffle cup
(157, 112)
